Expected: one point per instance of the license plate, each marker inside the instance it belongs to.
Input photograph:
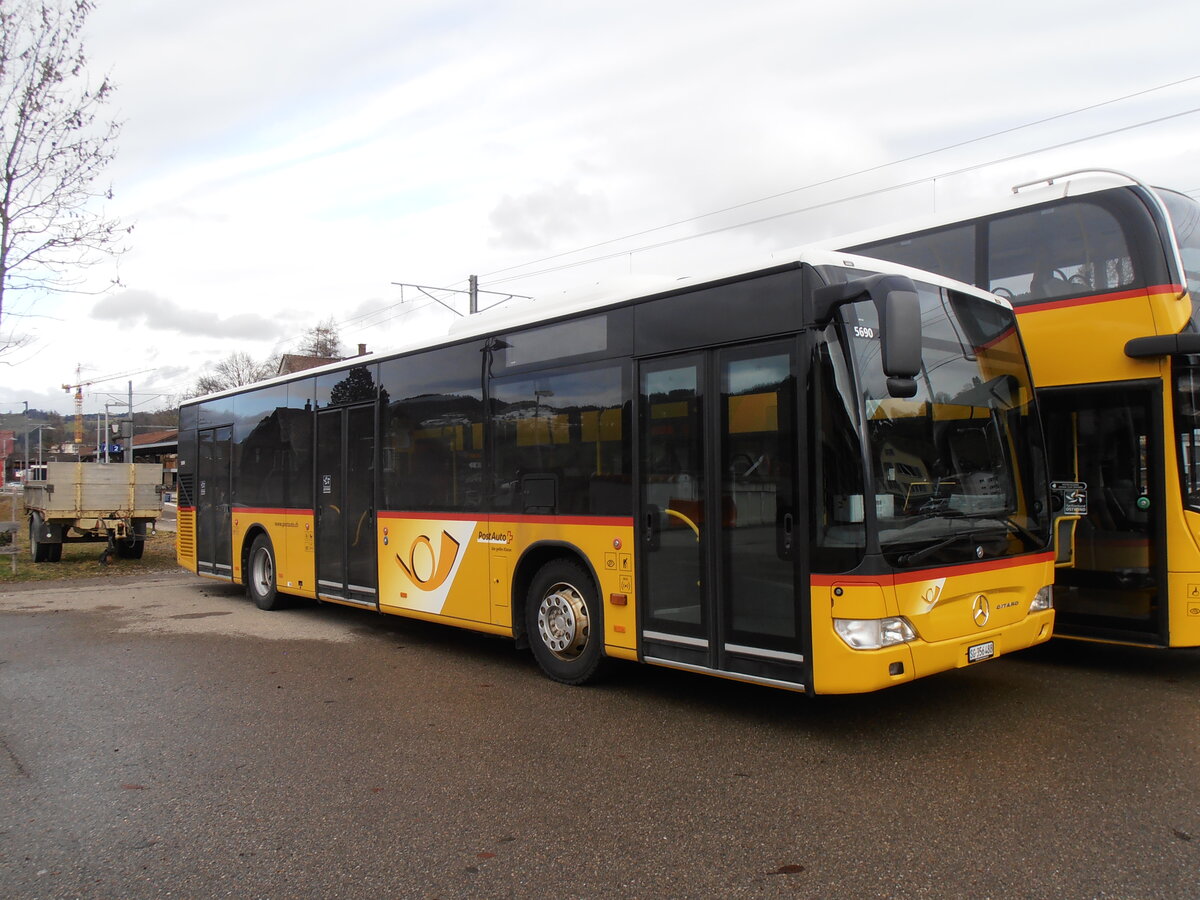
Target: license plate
(980, 652)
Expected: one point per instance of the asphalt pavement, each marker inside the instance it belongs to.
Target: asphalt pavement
(162, 737)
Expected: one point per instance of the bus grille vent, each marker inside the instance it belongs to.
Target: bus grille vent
(185, 536)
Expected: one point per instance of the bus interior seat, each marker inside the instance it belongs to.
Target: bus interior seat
(1050, 284)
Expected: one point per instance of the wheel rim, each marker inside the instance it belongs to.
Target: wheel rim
(563, 621)
(262, 572)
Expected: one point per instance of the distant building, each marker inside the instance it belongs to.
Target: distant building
(159, 447)
(291, 363)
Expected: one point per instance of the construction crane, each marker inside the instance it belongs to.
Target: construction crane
(78, 389)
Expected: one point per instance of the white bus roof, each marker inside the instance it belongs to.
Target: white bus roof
(533, 313)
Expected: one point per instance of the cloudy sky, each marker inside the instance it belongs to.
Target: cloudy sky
(284, 162)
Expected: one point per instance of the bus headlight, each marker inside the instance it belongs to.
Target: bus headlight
(1042, 600)
(874, 634)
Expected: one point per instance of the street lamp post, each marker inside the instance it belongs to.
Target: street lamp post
(38, 429)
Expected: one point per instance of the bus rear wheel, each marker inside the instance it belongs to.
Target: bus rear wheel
(260, 575)
(564, 622)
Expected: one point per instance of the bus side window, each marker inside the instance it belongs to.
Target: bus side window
(558, 439)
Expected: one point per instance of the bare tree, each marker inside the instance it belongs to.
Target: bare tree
(54, 145)
(322, 340)
(235, 370)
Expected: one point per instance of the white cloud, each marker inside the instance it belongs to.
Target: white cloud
(132, 308)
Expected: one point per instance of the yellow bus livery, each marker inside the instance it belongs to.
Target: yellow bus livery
(844, 490)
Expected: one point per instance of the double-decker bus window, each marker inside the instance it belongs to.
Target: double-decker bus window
(947, 251)
(1068, 249)
(431, 450)
(559, 442)
(1185, 221)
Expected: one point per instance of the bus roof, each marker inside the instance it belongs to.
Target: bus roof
(535, 313)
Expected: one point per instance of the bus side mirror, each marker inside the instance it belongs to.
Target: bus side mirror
(899, 308)
(900, 318)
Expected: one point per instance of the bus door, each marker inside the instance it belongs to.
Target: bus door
(1107, 437)
(718, 513)
(214, 527)
(345, 511)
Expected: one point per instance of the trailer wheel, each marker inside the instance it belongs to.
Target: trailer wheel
(41, 551)
(133, 546)
(260, 575)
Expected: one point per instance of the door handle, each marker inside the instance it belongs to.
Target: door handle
(651, 523)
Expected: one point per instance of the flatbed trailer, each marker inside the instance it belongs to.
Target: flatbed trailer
(113, 503)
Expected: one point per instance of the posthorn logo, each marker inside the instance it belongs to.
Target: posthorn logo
(425, 568)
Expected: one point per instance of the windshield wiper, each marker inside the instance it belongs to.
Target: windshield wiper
(905, 559)
(1024, 532)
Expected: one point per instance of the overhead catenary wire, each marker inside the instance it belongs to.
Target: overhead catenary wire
(860, 196)
(847, 175)
(811, 186)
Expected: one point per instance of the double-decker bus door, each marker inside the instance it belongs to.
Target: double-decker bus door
(718, 514)
(214, 528)
(1106, 436)
(345, 511)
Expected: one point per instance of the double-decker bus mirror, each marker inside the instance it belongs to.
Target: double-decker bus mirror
(1184, 344)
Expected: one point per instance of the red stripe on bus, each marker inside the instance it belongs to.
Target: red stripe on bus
(434, 516)
(1004, 336)
(929, 574)
(610, 521)
(268, 511)
(1097, 298)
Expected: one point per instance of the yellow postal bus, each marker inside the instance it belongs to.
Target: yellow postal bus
(826, 476)
(1104, 273)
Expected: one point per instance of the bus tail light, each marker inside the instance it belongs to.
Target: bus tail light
(874, 634)
(1042, 600)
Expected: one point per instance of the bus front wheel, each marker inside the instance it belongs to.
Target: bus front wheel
(564, 622)
(260, 575)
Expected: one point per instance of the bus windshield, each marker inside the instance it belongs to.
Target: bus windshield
(957, 469)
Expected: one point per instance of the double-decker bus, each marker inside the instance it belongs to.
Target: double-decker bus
(1104, 274)
(827, 476)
